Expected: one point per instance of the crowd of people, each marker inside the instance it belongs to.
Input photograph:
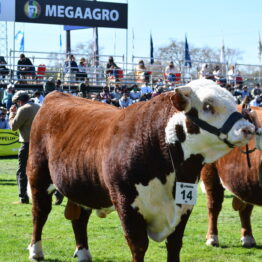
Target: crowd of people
(232, 77)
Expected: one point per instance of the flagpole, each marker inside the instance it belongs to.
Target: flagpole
(126, 44)
(14, 48)
(259, 55)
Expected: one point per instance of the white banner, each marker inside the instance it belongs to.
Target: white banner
(7, 10)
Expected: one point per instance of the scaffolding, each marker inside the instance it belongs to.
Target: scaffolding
(3, 39)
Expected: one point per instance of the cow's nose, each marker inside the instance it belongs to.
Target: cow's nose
(248, 131)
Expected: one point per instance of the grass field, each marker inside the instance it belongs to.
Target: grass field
(107, 243)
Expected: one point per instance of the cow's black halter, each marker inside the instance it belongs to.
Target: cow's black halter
(221, 133)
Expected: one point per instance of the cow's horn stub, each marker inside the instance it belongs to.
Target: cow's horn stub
(181, 99)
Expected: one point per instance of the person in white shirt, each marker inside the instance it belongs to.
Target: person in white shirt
(38, 98)
(231, 75)
(205, 72)
(81, 75)
(256, 101)
(170, 72)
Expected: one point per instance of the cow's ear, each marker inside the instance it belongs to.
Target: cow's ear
(181, 98)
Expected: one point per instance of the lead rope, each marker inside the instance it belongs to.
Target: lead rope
(172, 161)
(248, 157)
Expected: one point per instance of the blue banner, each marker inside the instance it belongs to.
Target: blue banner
(72, 27)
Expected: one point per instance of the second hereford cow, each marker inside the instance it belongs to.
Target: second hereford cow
(102, 157)
(233, 173)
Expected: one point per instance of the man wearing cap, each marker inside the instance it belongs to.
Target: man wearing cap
(21, 119)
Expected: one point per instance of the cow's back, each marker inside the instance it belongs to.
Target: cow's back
(82, 141)
(65, 136)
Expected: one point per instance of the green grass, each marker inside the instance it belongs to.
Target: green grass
(106, 240)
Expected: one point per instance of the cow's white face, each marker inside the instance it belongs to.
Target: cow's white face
(213, 105)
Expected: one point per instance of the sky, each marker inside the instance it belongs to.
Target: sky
(206, 23)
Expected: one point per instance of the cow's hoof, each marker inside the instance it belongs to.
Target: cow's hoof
(83, 255)
(36, 252)
(212, 241)
(248, 241)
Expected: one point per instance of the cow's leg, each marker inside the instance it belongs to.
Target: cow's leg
(80, 230)
(247, 238)
(215, 197)
(174, 241)
(42, 203)
(134, 227)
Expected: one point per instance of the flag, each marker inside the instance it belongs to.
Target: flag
(187, 55)
(74, 27)
(222, 53)
(259, 49)
(22, 44)
(151, 50)
(18, 35)
(60, 40)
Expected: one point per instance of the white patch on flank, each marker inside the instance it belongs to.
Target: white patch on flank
(223, 185)
(155, 202)
(103, 212)
(83, 254)
(28, 189)
(203, 188)
(51, 189)
(36, 251)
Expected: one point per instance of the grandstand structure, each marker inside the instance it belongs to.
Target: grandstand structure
(52, 65)
(3, 39)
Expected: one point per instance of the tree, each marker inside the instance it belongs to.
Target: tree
(175, 51)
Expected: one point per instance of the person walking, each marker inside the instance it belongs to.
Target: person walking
(21, 117)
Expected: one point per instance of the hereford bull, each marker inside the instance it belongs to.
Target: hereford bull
(100, 156)
(232, 172)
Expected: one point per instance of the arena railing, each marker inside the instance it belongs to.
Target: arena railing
(53, 66)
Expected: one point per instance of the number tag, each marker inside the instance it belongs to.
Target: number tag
(186, 193)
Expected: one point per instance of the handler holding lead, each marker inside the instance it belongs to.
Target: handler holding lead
(21, 119)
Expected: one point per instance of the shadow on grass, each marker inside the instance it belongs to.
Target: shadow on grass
(54, 260)
(228, 196)
(239, 246)
(8, 157)
(7, 182)
(107, 260)
(93, 260)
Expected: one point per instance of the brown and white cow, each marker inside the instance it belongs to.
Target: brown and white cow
(232, 172)
(100, 156)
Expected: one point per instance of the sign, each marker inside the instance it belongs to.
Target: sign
(186, 193)
(7, 10)
(75, 13)
(9, 144)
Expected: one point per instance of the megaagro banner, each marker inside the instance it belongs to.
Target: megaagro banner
(9, 144)
(77, 13)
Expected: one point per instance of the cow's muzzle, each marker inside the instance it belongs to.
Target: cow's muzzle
(221, 133)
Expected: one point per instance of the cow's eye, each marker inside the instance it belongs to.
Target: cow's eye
(208, 108)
